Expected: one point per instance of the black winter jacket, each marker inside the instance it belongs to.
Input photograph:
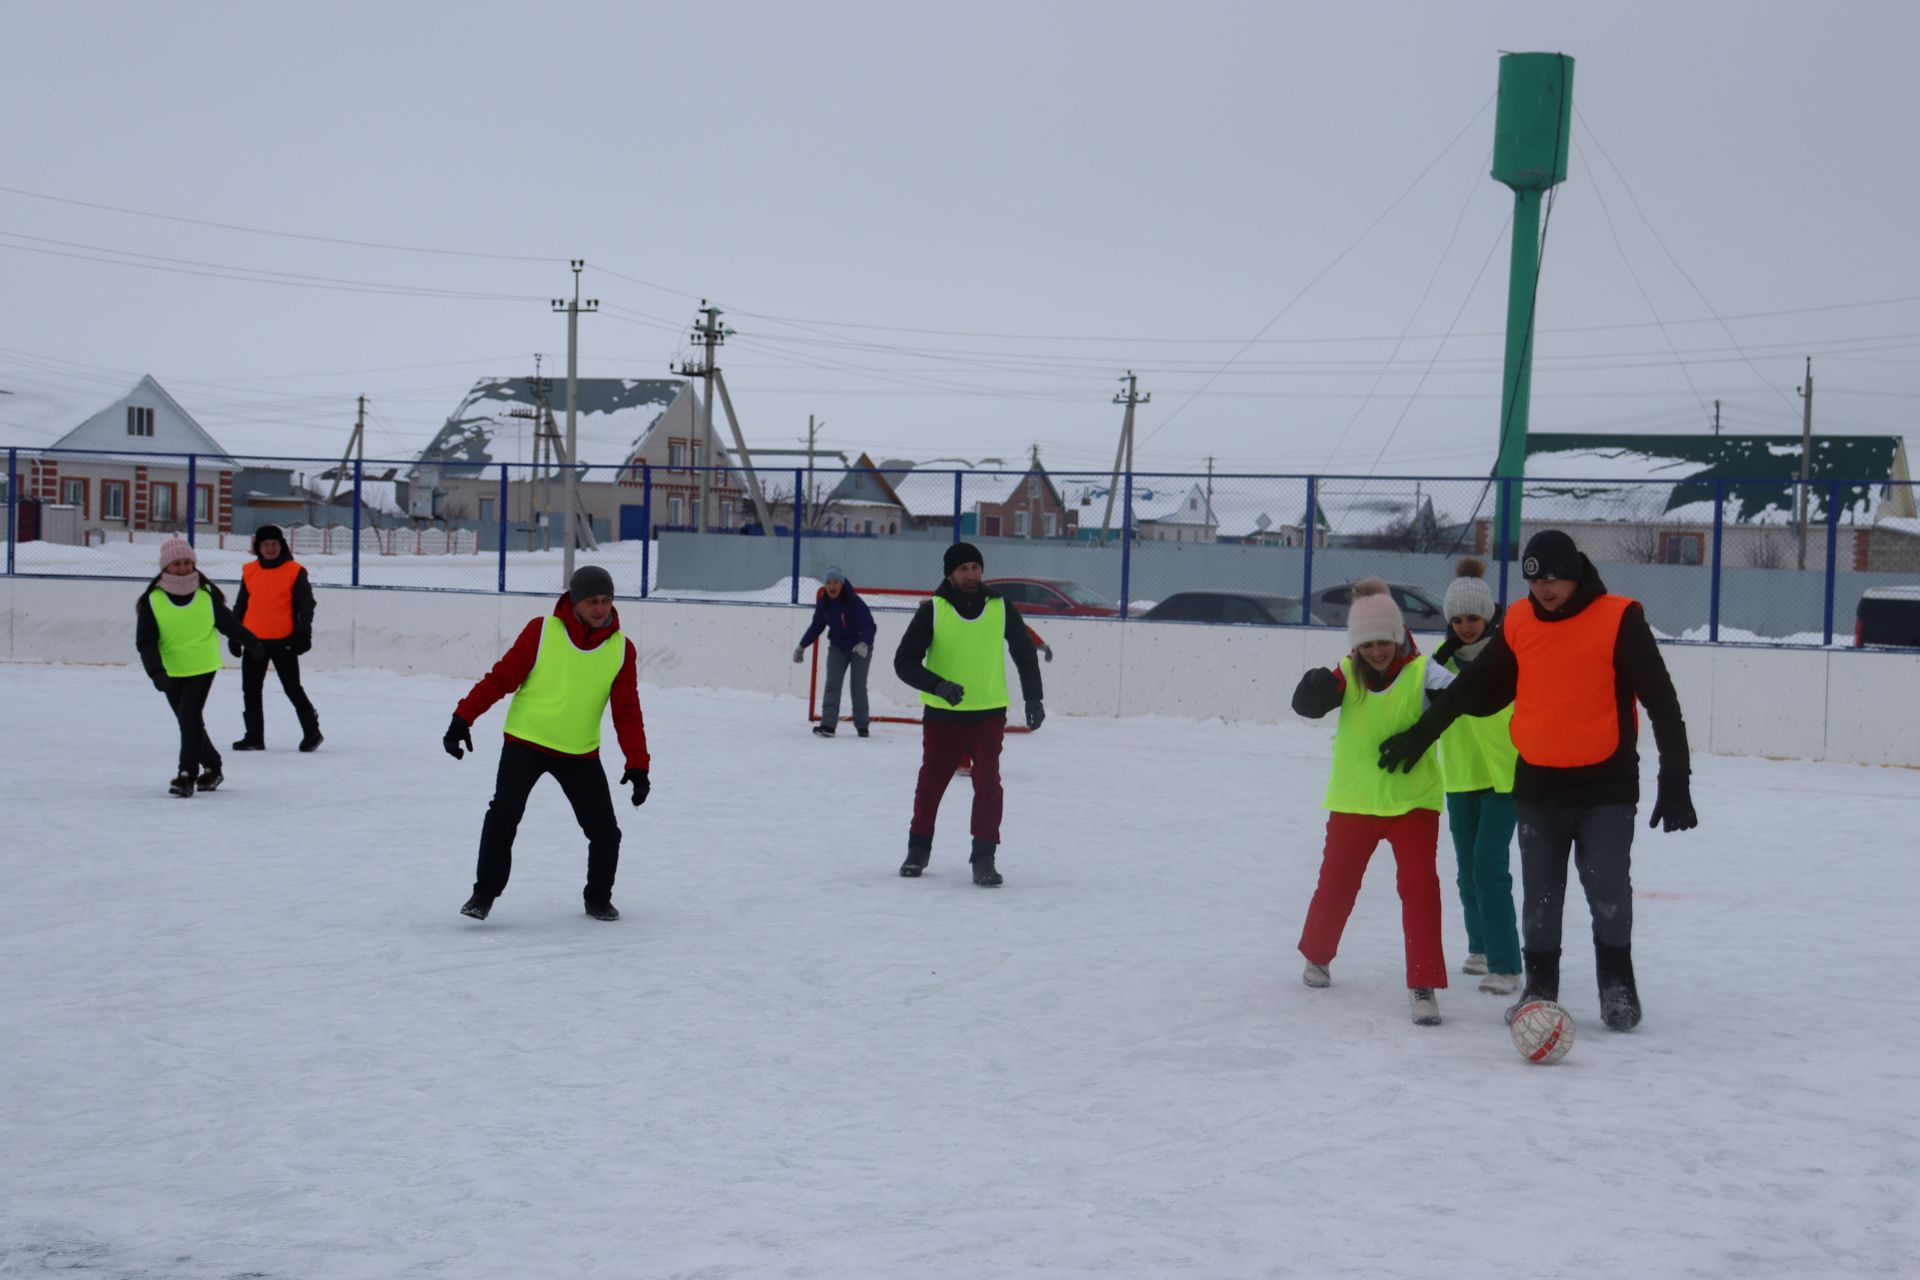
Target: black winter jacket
(909, 660)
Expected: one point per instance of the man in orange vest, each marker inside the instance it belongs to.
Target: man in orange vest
(275, 605)
(1573, 660)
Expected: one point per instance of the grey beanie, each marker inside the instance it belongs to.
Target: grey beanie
(1469, 596)
(589, 580)
(834, 573)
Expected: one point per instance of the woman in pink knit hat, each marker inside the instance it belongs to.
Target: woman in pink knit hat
(1379, 688)
(178, 622)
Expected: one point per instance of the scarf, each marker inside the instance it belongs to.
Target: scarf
(180, 584)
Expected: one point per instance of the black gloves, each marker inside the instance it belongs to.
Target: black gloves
(952, 692)
(638, 777)
(1674, 808)
(237, 646)
(1035, 715)
(1318, 692)
(458, 732)
(163, 684)
(1403, 750)
(302, 641)
(1046, 651)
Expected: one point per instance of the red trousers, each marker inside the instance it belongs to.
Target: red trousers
(1351, 840)
(943, 744)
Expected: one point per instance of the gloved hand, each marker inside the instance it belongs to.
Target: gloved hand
(800, 653)
(1674, 807)
(1403, 750)
(1323, 681)
(163, 683)
(638, 777)
(1046, 651)
(862, 649)
(302, 641)
(1035, 714)
(950, 691)
(458, 732)
(237, 646)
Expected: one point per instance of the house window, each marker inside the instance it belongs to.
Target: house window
(677, 454)
(991, 526)
(1053, 525)
(486, 510)
(203, 504)
(693, 452)
(139, 421)
(1682, 548)
(1020, 525)
(869, 528)
(676, 513)
(1033, 488)
(726, 515)
(74, 494)
(113, 499)
(161, 503)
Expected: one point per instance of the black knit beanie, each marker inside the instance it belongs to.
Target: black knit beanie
(266, 531)
(589, 580)
(961, 553)
(1551, 554)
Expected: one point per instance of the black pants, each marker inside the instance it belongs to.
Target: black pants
(253, 680)
(585, 784)
(1601, 840)
(187, 695)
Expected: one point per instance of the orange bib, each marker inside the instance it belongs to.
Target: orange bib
(269, 598)
(1565, 709)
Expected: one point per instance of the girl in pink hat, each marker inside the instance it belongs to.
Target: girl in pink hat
(178, 622)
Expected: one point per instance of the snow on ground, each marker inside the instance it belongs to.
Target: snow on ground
(249, 1034)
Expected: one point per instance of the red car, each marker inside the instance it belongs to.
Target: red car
(1055, 598)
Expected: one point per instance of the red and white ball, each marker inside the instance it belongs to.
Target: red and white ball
(1542, 1031)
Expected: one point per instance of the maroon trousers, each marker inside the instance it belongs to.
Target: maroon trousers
(1351, 840)
(943, 744)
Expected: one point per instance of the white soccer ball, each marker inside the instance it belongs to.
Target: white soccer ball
(1542, 1031)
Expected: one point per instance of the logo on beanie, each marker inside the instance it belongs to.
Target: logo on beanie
(1530, 567)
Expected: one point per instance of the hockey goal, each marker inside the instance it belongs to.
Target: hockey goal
(888, 701)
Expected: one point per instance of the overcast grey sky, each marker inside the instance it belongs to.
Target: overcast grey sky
(950, 229)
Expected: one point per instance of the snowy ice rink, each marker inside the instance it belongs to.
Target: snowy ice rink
(249, 1034)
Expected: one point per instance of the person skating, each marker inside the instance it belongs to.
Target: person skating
(1573, 659)
(1379, 688)
(965, 768)
(275, 605)
(563, 671)
(1477, 759)
(952, 653)
(178, 621)
(843, 615)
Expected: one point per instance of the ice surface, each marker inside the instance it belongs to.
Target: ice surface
(249, 1033)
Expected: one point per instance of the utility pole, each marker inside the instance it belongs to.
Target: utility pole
(356, 449)
(1716, 418)
(813, 432)
(573, 308)
(709, 333)
(1209, 491)
(1806, 455)
(1124, 453)
(543, 440)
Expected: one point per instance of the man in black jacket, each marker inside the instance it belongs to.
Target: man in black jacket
(952, 653)
(1573, 660)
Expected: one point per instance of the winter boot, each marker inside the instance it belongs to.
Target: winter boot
(250, 743)
(210, 779)
(603, 910)
(861, 730)
(984, 873)
(822, 731)
(1500, 984)
(1543, 980)
(1426, 1007)
(478, 906)
(1619, 997)
(1476, 963)
(311, 739)
(181, 786)
(1316, 975)
(919, 852)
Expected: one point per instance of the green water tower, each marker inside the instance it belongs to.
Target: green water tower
(1531, 129)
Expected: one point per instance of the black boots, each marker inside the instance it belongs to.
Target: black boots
(823, 731)
(984, 873)
(1543, 980)
(477, 906)
(181, 786)
(250, 743)
(1619, 998)
(603, 910)
(311, 739)
(919, 850)
(210, 779)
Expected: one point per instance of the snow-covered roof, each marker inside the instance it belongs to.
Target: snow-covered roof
(375, 495)
(614, 414)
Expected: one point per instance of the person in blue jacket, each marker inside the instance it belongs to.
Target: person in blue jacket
(844, 616)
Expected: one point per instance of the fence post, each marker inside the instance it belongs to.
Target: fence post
(956, 506)
(1126, 552)
(1719, 531)
(799, 519)
(356, 521)
(1503, 546)
(1311, 526)
(1833, 546)
(503, 528)
(646, 529)
(193, 496)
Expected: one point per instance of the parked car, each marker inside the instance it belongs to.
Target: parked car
(1422, 611)
(1887, 615)
(1245, 607)
(1054, 598)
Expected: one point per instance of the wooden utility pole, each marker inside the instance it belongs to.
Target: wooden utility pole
(1209, 490)
(709, 333)
(1806, 456)
(573, 308)
(1124, 453)
(356, 449)
(1716, 417)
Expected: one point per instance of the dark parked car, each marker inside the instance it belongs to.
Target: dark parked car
(1422, 611)
(1888, 615)
(1054, 598)
(1247, 607)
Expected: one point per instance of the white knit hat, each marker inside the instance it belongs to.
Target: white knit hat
(1373, 615)
(1468, 595)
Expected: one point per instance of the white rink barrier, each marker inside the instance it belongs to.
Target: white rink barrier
(1838, 705)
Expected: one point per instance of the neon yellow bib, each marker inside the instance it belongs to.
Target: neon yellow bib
(189, 645)
(564, 698)
(971, 654)
(1477, 752)
(1358, 784)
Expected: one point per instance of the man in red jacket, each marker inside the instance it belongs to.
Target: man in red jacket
(563, 671)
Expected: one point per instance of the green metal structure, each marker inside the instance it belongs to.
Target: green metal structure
(1531, 129)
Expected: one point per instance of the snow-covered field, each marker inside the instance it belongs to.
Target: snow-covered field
(249, 1034)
